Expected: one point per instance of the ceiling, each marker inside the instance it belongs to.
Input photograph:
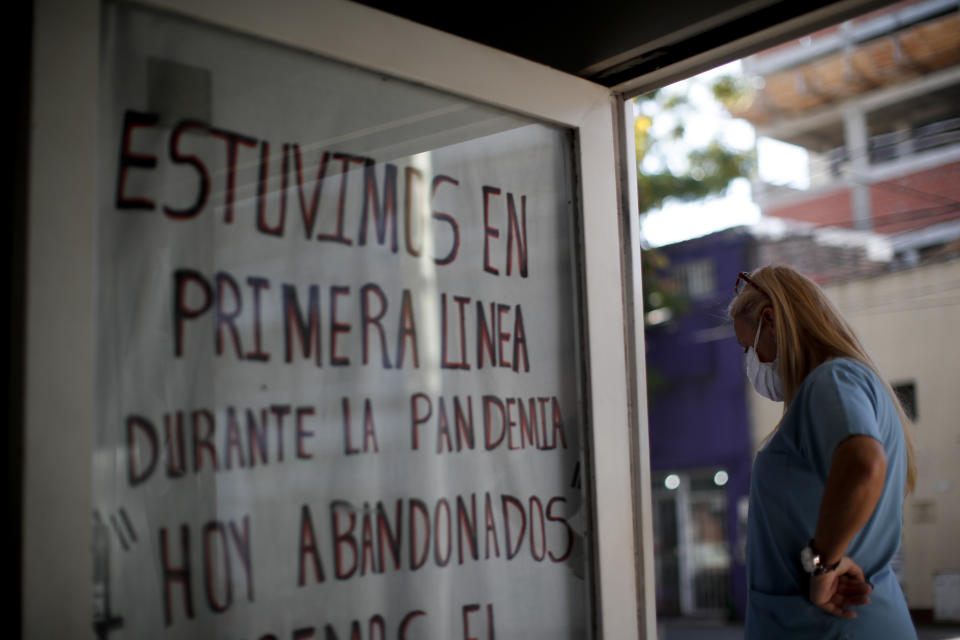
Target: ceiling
(630, 47)
(895, 57)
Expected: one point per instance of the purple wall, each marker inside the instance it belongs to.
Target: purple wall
(698, 415)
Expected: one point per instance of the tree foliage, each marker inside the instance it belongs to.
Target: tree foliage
(683, 174)
(668, 168)
(734, 92)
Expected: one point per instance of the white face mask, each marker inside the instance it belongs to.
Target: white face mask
(764, 376)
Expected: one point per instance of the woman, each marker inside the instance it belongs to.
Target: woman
(828, 485)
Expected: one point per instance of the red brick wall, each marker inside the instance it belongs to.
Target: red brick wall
(832, 210)
(918, 200)
(910, 202)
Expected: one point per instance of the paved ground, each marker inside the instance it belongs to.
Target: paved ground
(685, 629)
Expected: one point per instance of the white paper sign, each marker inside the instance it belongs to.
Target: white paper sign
(338, 374)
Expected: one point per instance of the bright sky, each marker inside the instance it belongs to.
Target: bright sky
(778, 163)
(678, 222)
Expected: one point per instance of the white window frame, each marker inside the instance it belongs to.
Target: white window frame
(61, 313)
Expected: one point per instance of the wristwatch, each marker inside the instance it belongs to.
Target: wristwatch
(812, 561)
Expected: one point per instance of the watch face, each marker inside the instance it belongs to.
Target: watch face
(809, 559)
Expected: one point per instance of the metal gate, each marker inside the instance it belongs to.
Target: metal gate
(691, 544)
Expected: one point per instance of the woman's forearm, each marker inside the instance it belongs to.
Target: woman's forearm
(853, 487)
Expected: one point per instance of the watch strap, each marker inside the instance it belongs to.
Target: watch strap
(819, 568)
(826, 568)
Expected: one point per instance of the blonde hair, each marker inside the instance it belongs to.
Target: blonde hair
(809, 331)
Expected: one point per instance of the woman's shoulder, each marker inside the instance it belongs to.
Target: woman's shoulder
(843, 370)
(842, 380)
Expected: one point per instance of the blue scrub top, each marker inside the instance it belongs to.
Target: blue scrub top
(838, 399)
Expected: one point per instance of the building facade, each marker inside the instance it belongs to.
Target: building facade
(875, 102)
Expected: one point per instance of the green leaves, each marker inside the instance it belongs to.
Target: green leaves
(684, 172)
(712, 169)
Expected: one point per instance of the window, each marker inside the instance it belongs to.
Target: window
(338, 348)
(907, 392)
(697, 278)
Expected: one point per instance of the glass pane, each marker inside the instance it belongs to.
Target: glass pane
(339, 389)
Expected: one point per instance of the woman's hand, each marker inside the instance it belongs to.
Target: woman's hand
(837, 590)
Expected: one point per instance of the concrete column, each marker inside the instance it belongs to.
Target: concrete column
(857, 141)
